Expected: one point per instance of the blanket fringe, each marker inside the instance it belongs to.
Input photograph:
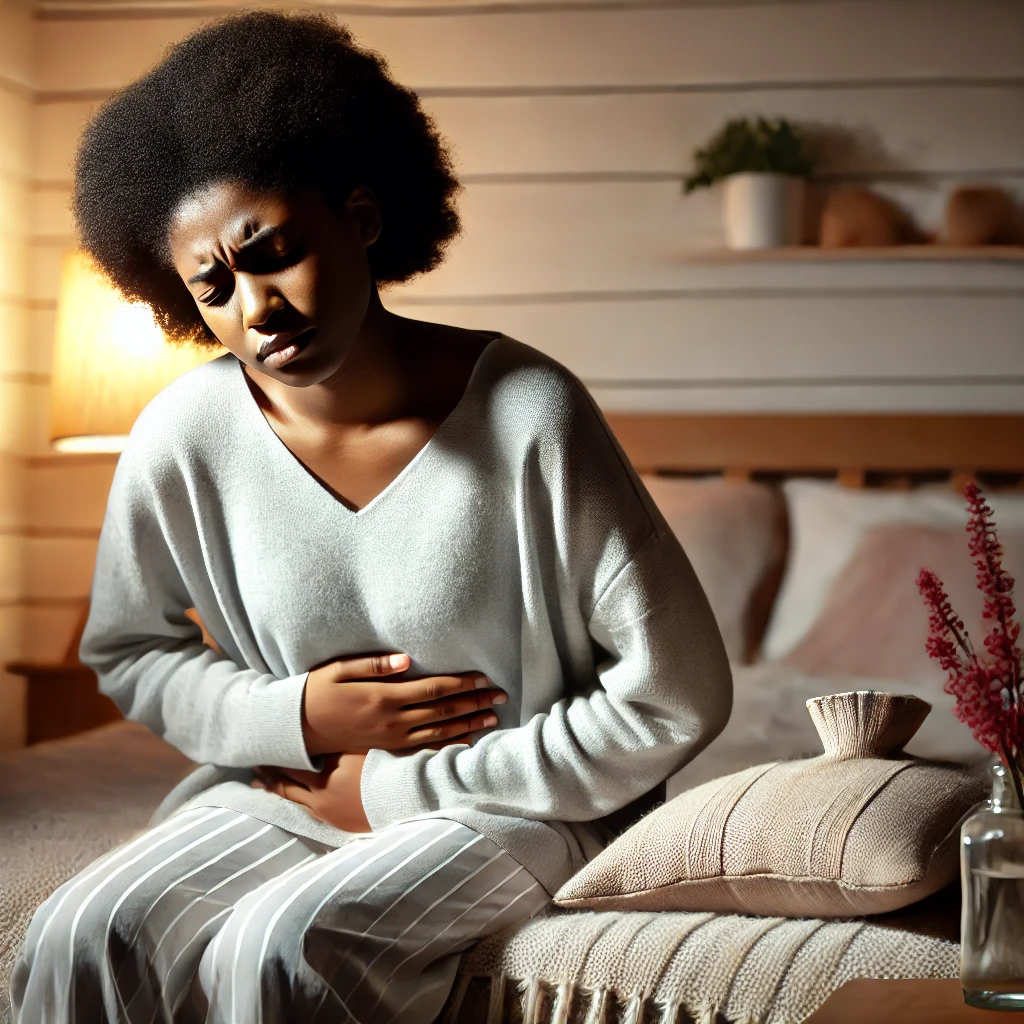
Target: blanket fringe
(633, 1011)
(669, 1013)
(534, 1006)
(707, 1014)
(598, 1007)
(563, 1003)
(496, 1002)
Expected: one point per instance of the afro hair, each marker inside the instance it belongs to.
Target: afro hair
(278, 101)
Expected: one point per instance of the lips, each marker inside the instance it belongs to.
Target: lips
(279, 349)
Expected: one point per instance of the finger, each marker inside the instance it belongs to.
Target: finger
(431, 688)
(462, 741)
(455, 727)
(371, 666)
(294, 792)
(453, 707)
(302, 777)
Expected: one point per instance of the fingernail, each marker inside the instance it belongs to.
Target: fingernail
(397, 660)
(490, 720)
(500, 698)
(482, 682)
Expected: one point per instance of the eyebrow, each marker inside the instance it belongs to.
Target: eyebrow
(250, 243)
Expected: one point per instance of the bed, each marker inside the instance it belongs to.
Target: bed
(791, 521)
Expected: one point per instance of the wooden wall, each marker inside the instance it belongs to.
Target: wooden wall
(573, 123)
(16, 30)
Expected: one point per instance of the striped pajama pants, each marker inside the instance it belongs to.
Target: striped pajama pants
(216, 916)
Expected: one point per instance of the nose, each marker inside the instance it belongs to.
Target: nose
(258, 299)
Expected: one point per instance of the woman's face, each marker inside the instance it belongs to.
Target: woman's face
(282, 281)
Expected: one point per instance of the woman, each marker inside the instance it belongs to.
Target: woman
(452, 630)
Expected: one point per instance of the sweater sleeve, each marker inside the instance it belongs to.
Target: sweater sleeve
(151, 660)
(663, 687)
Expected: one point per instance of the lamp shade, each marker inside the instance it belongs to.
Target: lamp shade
(109, 360)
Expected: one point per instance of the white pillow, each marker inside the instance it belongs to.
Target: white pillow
(827, 522)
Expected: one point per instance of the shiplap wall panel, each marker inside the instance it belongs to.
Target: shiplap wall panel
(12, 688)
(58, 567)
(58, 126)
(47, 627)
(12, 550)
(14, 207)
(625, 47)
(49, 486)
(534, 237)
(15, 328)
(51, 212)
(14, 275)
(820, 397)
(17, 45)
(43, 270)
(767, 339)
(16, 72)
(952, 129)
(13, 481)
(16, 114)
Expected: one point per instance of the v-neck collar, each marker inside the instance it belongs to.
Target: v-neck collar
(446, 425)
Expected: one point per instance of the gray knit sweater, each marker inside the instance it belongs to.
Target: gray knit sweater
(518, 542)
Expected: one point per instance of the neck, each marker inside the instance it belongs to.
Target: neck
(369, 387)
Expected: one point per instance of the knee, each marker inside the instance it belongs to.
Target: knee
(68, 925)
(261, 942)
(63, 956)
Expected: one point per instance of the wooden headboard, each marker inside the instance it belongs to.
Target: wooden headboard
(893, 450)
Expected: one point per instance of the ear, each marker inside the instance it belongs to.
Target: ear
(365, 210)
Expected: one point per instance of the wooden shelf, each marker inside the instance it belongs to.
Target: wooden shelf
(897, 253)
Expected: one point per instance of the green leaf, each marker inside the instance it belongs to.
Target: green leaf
(762, 145)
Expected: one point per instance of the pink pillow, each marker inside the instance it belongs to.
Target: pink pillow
(873, 622)
(734, 534)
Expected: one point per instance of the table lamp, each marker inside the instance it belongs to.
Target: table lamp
(109, 360)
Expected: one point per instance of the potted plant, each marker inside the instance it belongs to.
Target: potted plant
(763, 164)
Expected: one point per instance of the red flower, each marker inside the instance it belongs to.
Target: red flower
(988, 693)
(995, 583)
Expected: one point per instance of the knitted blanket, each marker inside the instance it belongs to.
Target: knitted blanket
(578, 967)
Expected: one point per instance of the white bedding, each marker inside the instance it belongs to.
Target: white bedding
(769, 722)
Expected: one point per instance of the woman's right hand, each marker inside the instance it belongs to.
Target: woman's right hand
(350, 706)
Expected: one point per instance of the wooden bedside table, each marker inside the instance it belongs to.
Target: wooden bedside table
(63, 697)
(907, 1001)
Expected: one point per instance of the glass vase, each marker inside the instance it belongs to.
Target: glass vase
(992, 913)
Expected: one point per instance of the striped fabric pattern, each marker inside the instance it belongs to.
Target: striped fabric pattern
(217, 916)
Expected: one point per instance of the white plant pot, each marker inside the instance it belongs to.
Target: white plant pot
(762, 211)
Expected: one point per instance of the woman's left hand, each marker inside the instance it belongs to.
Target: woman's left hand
(332, 795)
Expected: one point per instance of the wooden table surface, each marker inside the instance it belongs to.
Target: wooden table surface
(867, 1001)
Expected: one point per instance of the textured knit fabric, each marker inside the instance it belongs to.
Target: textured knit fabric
(862, 829)
(518, 542)
(215, 916)
(622, 967)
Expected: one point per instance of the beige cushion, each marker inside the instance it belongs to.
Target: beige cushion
(862, 829)
(734, 534)
(827, 523)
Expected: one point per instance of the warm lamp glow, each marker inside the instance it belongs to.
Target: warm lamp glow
(109, 360)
